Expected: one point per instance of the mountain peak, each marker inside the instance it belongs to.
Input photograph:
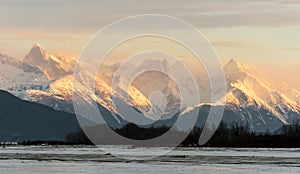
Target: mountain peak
(54, 66)
(36, 45)
(36, 56)
(37, 48)
(235, 70)
(37, 53)
(235, 66)
(233, 62)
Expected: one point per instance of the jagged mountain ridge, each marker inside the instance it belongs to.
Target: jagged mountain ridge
(248, 99)
(54, 66)
(245, 90)
(47, 78)
(17, 77)
(252, 102)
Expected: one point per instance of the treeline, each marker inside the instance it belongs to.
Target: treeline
(237, 135)
(234, 135)
(47, 143)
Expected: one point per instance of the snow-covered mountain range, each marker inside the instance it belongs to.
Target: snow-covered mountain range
(59, 71)
(245, 90)
(47, 78)
(54, 66)
(17, 77)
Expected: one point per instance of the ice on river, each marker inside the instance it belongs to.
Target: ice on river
(91, 160)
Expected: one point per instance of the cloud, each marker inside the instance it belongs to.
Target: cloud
(228, 44)
(289, 1)
(29, 34)
(96, 14)
(39, 3)
(257, 19)
(231, 23)
(293, 49)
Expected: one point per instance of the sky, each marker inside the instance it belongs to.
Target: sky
(255, 32)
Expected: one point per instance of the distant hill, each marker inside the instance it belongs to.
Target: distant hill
(22, 120)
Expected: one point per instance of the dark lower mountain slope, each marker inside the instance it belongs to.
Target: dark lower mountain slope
(21, 120)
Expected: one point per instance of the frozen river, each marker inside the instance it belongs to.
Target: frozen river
(61, 160)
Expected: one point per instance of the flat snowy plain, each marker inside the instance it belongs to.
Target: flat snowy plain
(91, 160)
